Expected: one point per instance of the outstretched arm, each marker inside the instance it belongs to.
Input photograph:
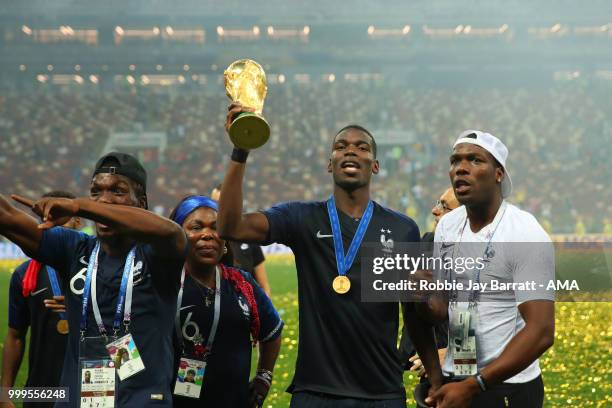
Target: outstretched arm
(166, 237)
(232, 224)
(19, 227)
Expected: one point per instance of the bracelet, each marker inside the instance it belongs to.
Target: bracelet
(481, 382)
(264, 376)
(264, 381)
(240, 155)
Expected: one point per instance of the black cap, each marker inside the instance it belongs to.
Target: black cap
(123, 164)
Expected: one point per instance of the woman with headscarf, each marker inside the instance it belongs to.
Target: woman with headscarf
(221, 314)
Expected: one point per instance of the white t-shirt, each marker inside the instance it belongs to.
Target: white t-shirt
(530, 257)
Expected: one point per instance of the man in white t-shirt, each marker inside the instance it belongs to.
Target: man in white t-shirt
(510, 328)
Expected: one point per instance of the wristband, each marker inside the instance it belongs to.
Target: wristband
(263, 381)
(239, 155)
(481, 382)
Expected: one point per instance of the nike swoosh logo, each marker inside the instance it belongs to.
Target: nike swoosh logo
(319, 235)
(444, 246)
(38, 291)
(186, 307)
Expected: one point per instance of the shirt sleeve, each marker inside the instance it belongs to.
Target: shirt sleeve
(282, 223)
(59, 246)
(257, 254)
(19, 313)
(271, 324)
(166, 272)
(535, 263)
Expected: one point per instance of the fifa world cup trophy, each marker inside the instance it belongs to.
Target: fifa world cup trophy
(245, 82)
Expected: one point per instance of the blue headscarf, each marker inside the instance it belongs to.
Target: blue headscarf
(190, 204)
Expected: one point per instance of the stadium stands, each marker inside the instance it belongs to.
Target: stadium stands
(51, 136)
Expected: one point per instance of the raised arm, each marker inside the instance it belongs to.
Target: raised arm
(19, 227)
(166, 237)
(232, 224)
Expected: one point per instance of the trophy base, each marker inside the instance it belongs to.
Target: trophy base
(249, 131)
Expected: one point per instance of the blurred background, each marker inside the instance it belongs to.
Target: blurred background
(80, 78)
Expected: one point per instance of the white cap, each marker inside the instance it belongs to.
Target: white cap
(492, 145)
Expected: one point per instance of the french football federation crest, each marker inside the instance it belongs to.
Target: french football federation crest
(387, 243)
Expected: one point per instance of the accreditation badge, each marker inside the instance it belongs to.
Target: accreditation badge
(189, 378)
(96, 374)
(462, 342)
(126, 356)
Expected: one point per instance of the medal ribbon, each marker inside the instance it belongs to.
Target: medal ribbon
(217, 312)
(125, 294)
(344, 263)
(55, 287)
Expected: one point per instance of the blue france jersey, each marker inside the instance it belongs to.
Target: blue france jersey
(156, 282)
(229, 364)
(346, 347)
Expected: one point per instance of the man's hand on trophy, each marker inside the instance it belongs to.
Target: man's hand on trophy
(233, 110)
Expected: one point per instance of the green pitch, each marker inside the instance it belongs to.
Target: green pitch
(576, 370)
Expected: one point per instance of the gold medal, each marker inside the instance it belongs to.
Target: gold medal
(62, 326)
(341, 284)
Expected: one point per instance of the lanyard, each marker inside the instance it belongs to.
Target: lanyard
(125, 294)
(55, 287)
(217, 312)
(486, 255)
(344, 263)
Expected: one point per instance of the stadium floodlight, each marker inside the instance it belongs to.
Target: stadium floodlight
(185, 67)
(22, 67)
(371, 29)
(119, 31)
(281, 79)
(306, 30)
(270, 30)
(256, 30)
(26, 30)
(93, 79)
(406, 29)
(220, 31)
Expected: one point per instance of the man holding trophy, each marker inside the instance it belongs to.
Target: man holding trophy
(347, 353)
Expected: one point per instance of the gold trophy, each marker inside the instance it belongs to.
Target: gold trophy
(245, 83)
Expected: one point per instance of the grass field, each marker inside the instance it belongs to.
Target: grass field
(577, 370)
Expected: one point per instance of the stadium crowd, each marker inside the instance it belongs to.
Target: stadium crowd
(556, 134)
